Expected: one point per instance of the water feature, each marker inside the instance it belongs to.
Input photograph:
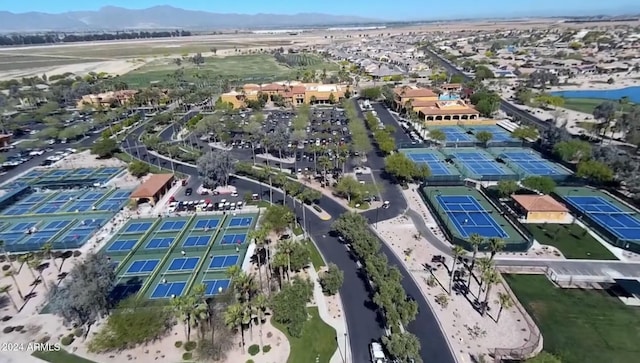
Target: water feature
(632, 93)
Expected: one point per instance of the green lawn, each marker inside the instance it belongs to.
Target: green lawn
(586, 105)
(316, 257)
(571, 239)
(61, 356)
(318, 340)
(258, 68)
(579, 325)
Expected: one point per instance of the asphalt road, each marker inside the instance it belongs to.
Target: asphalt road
(362, 319)
(387, 119)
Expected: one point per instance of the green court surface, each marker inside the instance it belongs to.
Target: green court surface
(463, 211)
(571, 239)
(580, 325)
(166, 257)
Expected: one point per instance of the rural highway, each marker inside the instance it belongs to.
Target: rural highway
(363, 323)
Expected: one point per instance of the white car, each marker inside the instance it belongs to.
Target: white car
(377, 354)
(36, 153)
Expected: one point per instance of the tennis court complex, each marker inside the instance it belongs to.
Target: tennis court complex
(456, 135)
(66, 219)
(59, 178)
(463, 211)
(162, 258)
(436, 162)
(529, 163)
(500, 135)
(618, 223)
(478, 164)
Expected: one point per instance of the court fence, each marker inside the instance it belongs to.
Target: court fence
(484, 177)
(508, 215)
(609, 236)
(58, 245)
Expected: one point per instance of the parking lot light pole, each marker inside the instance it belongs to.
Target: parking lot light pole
(376, 224)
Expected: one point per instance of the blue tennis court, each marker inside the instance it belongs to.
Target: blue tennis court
(183, 264)
(624, 225)
(22, 226)
(206, 223)
(56, 225)
(40, 237)
(479, 163)
(456, 134)
(142, 266)
(532, 163)
(469, 217)
(11, 237)
(82, 172)
(213, 287)
(172, 225)
(17, 210)
(240, 222)
(121, 246)
(34, 199)
(49, 208)
(435, 164)
(196, 241)
(138, 227)
(228, 239)
(499, 134)
(91, 196)
(80, 206)
(157, 243)
(222, 262)
(168, 289)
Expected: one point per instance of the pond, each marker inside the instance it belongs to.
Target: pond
(632, 93)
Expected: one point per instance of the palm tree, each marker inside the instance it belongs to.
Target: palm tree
(259, 236)
(6, 289)
(261, 304)
(505, 301)
(484, 264)
(287, 246)
(279, 264)
(248, 314)
(457, 252)
(245, 285)
(35, 264)
(233, 319)
(475, 240)
(12, 273)
(496, 245)
(490, 277)
(25, 259)
(6, 253)
(47, 249)
(439, 136)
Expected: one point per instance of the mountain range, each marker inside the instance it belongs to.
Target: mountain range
(163, 17)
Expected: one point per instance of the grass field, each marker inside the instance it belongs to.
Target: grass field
(586, 105)
(571, 239)
(12, 63)
(578, 325)
(248, 68)
(316, 257)
(318, 340)
(60, 356)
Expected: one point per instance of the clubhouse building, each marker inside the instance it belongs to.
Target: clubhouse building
(291, 93)
(430, 106)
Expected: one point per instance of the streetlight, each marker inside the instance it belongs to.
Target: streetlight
(345, 347)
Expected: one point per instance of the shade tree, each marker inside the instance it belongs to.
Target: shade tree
(573, 151)
(215, 168)
(542, 184)
(404, 169)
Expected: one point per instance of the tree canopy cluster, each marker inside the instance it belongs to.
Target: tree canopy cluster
(215, 168)
(383, 137)
(53, 38)
(360, 143)
(486, 102)
(355, 192)
(371, 93)
(404, 169)
(389, 296)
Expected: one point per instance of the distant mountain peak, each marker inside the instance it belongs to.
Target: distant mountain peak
(164, 17)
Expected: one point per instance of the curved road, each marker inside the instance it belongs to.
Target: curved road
(362, 319)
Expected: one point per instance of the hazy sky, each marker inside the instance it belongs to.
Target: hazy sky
(379, 9)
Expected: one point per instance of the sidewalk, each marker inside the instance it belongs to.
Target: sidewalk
(339, 324)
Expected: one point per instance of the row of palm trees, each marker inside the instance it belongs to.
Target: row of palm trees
(484, 266)
(34, 264)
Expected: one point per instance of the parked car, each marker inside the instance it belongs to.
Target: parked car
(188, 192)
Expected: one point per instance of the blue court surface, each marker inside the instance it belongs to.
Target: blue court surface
(122, 246)
(168, 289)
(172, 226)
(142, 266)
(183, 264)
(157, 243)
(435, 164)
(212, 287)
(196, 241)
(23, 226)
(40, 237)
(624, 225)
(228, 239)
(138, 227)
(532, 163)
(206, 223)
(468, 216)
(240, 222)
(222, 262)
(499, 134)
(456, 134)
(479, 163)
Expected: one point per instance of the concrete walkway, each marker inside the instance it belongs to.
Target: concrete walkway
(343, 353)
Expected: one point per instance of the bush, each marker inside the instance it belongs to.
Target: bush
(7, 329)
(44, 339)
(76, 253)
(18, 328)
(269, 334)
(189, 346)
(78, 332)
(331, 280)
(6, 267)
(254, 349)
(266, 349)
(178, 344)
(6, 318)
(187, 356)
(249, 361)
(67, 340)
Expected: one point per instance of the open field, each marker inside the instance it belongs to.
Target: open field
(571, 239)
(586, 105)
(249, 68)
(580, 325)
(317, 343)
